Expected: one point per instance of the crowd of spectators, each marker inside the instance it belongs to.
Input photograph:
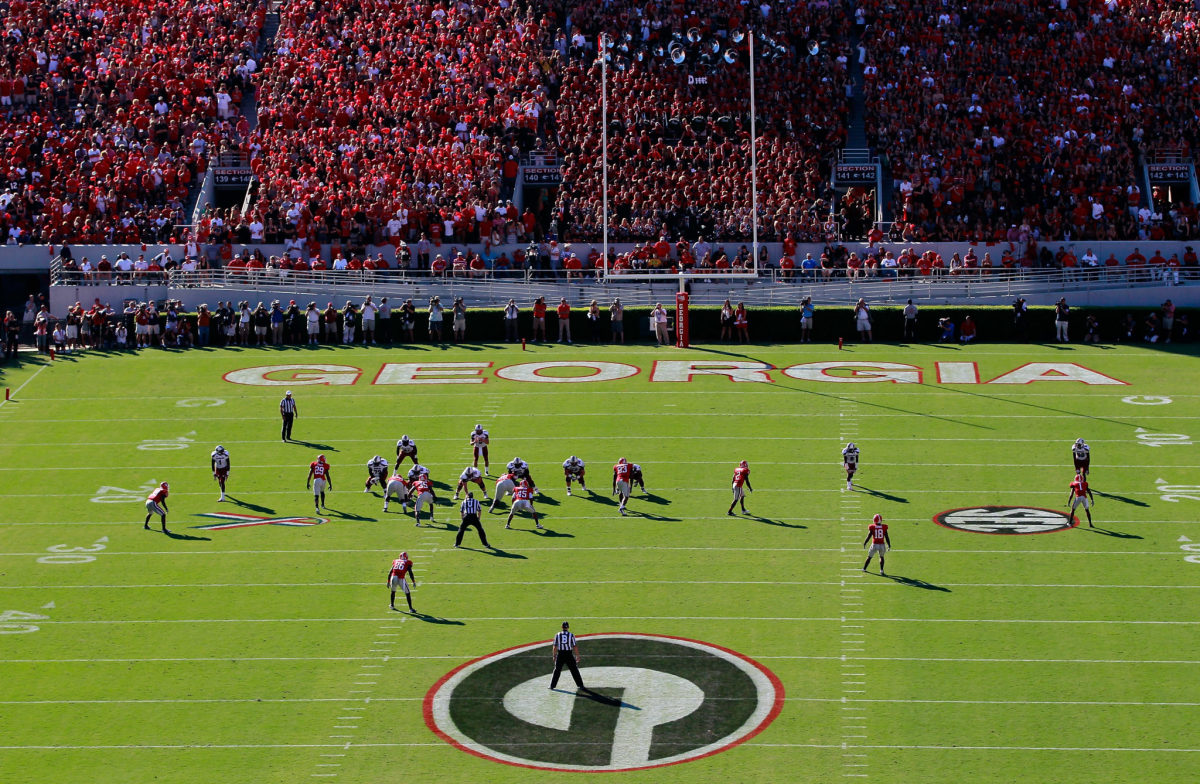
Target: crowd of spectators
(1005, 119)
(679, 135)
(109, 110)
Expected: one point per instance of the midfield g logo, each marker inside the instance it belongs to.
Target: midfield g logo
(653, 701)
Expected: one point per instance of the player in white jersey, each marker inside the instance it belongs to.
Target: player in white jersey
(398, 486)
(504, 486)
(220, 468)
(416, 472)
(377, 471)
(479, 446)
(520, 471)
(850, 462)
(636, 479)
(406, 447)
(1082, 453)
(470, 474)
(573, 470)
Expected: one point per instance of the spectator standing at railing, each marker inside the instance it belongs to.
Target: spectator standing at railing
(12, 335)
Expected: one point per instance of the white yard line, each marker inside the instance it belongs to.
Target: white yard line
(456, 465)
(24, 384)
(771, 583)
(723, 618)
(628, 548)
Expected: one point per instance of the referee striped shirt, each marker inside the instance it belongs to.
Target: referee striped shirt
(564, 641)
(287, 406)
(471, 506)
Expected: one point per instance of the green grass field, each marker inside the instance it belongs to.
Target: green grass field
(268, 653)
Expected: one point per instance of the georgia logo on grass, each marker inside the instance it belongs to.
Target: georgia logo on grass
(655, 700)
(1006, 520)
(248, 521)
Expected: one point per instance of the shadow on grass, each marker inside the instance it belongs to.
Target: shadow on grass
(1109, 532)
(650, 516)
(769, 521)
(248, 505)
(913, 582)
(1122, 499)
(348, 515)
(434, 619)
(880, 494)
(313, 445)
(186, 537)
(654, 499)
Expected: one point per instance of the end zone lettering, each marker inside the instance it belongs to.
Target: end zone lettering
(589, 372)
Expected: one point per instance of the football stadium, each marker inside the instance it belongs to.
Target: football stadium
(670, 392)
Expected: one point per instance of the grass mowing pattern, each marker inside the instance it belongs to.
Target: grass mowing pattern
(248, 655)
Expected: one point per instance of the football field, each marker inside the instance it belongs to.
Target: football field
(1008, 641)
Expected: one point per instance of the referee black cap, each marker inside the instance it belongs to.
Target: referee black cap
(566, 625)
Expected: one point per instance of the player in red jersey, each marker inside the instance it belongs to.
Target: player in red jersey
(319, 480)
(398, 576)
(479, 445)
(220, 468)
(741, 476)
(1080, 493)
(156, 504)
(523, 499)
(877, 535)
(504, 486)
(422, 493)
(398, 486)
(622, 474)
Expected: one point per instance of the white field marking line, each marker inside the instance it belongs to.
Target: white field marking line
(783, 619)
(24, 384)
(849, 504)
(621, 548)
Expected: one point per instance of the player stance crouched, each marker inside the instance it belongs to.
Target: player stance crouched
(636, 479)
(479, 446)
(1082, 454)
(406, 447)
(1079, 494)
(621, 482)
(156, 504)
(416, 472)
(520, 471)
(397, 486)
(470, 474)
(398, 576)
(573, 470)
(220, 468)
(377, 471)
(877, 535)
(319, 479)
(850, 461)
(523, 499)
(741, 483)
(504, 486)
(422, 492)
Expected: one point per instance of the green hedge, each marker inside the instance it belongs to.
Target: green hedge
(782, 324)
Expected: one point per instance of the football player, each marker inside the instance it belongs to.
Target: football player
(319, 480)
(520, 470)
(479, 446)
(416, 472)
(156, 504)
(850, 462)
(377, 471)
(1083, 457)
(573, 470)
(401, 569)
(406, 447)
(877, 535)
(397, 485)
(470, 474)
(741, 477)
(636, 480)
(523, 499)
(620, 488)
(220, 468)
(1080, 494)
(422, 492)
(504, 486)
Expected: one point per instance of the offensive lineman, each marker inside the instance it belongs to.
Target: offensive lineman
(422, 493)
(156, 504)
(470, 474)
(399, 487)
(573, 470)
(377, 471)
(319, 480)
(220, 468)
(523, 499)
(416, 472)
(620, 483)
(504, 486)
(479, 446)
(1083, 457)
(877, 535)
(520, 470)
(741, 476)
(1079, 493)
(850, 461)
(406, 447)
(402, 568)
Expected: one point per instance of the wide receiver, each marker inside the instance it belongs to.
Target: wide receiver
(1080, 494)
(877, 535)
(850, 462)
(470, 474)
(1082, 454)
(156, 504)
(479, 446)
(319, 479)
(402, 568)
(573, 470)
(220, 468)
(741, 477)
(406, 447)
(377, 471)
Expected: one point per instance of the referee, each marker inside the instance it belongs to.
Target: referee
(469, 512)
(566, 652)
(287, 409)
